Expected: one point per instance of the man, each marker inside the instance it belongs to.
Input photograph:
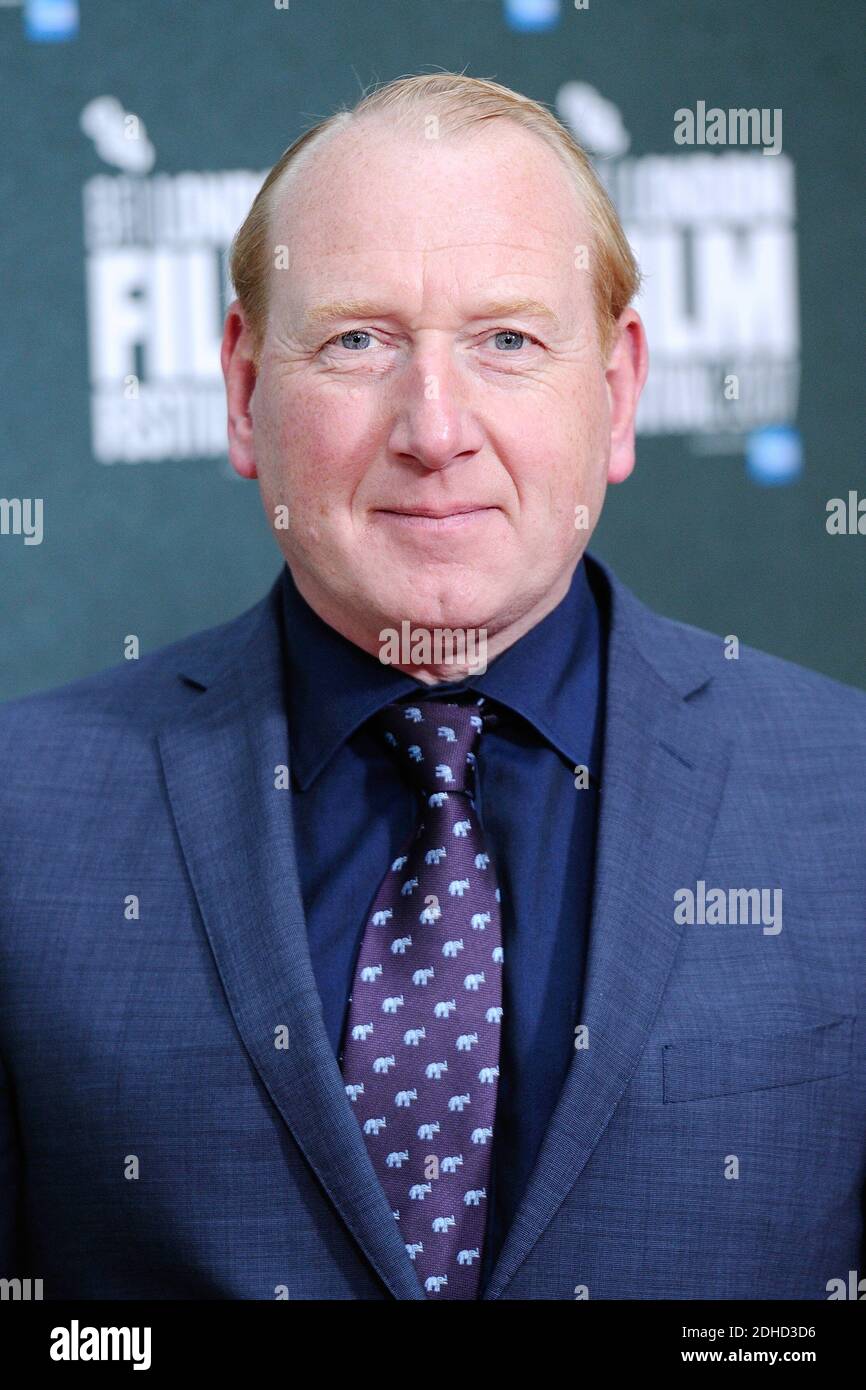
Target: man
(339, 964)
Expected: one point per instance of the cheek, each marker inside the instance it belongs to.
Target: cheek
(562, 468)
(311, 444)
(583, 439)
(558, 462)
(309, 439)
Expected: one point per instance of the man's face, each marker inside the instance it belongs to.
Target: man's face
(431, 444)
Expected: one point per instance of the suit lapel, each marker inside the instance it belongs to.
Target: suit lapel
(235, 829)
(662, 779)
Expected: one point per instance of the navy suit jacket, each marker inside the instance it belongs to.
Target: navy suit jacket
(173, 1122)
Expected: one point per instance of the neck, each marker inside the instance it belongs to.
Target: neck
(432, 655)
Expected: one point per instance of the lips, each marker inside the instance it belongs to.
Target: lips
(436, 521)
(436, 513)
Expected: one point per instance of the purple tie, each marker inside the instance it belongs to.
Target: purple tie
(420, 1053)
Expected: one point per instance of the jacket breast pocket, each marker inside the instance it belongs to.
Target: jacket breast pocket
(699, 1068)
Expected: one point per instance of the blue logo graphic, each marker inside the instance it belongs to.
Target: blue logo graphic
(774, 455)
(50, 21)
(527, 15)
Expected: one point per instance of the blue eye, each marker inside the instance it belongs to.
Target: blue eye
(358, 339)
(510, 333)
(353, 333)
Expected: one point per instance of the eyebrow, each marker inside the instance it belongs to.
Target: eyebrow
(320, 314)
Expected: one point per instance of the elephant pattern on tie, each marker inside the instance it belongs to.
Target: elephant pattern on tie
(421, 1046)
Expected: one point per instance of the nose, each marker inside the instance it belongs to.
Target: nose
(434, 424)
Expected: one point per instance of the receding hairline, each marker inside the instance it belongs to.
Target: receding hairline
(396, 121)
(337, 125)
(458, 104)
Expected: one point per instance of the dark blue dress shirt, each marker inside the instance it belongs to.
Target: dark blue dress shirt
(353, 811)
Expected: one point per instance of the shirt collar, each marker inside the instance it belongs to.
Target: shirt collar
(552, 677)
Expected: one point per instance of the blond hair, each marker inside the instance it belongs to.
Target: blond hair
(459, 103)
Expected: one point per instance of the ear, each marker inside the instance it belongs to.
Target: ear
(625, 374)
(239, 371)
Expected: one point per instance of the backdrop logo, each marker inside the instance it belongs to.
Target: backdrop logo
(596, 122)
(50, 21)
(157, 288)
(774, 455)
(714, 234)
(119, 136)
(532, 15)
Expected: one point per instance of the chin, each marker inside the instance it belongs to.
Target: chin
(465, 601)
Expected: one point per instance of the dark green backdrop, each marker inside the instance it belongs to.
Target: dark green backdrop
(171, 543)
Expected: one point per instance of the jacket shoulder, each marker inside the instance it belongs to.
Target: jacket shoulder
(143, 692)
(747, 688)
(766, 695)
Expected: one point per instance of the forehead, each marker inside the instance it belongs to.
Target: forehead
(380, 200)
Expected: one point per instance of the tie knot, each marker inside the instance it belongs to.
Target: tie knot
(434, 742)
